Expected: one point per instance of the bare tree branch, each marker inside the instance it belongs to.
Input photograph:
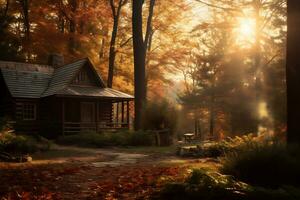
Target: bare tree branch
(218, 7)
(6, 8)
(126, 42)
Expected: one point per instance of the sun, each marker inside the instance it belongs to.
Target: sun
(247, 27)
(245, 31)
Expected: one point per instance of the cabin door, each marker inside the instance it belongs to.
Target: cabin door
(87, 112)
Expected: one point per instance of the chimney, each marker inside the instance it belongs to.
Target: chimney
(55, 60)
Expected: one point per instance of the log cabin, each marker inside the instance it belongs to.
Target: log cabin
(58, 99)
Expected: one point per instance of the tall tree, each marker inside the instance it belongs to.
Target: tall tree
(72, 25)
(293, 72)
(139, 50)
(9, 43)
(25, 16)
(116, 11)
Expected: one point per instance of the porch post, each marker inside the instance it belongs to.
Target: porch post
(127, 110)
(117, 117)
(63, 116)
(122, 113)
(97, 115)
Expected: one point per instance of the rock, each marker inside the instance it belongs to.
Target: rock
(29, 159)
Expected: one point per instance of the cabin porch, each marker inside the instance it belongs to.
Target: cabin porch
(97, 115)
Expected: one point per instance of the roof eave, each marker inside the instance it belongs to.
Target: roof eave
(95, 97)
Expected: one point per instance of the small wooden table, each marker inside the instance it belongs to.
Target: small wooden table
(188, 137)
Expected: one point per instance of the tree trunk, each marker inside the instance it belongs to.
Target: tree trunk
(257, 61)
(112, 49)
(72, 26)
(148, 39)
(104, 36)
(101, 52)
(293, 72)
(139, 52)
(212, 120)
(25, 13)
(149, 29)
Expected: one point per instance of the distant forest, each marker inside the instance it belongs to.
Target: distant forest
(223, 62)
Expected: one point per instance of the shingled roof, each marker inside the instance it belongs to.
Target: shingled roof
(93, 92)
(25, 80)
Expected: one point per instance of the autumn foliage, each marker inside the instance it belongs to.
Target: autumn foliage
(64, 181)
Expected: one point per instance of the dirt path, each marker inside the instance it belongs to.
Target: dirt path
(96, 157)
(82, 173)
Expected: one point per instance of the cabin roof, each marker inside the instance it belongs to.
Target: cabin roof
(62, 76)
(93, 92)
(25, 80)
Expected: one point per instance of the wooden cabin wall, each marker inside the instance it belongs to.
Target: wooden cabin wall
(26, 126)
(105, 111)
(51, 117)
(72, 110)
(85, 77)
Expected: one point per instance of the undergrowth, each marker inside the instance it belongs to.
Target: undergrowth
(264, 164)
(214, 186)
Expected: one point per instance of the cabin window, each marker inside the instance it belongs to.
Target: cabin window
(29, 111)
(82, 77)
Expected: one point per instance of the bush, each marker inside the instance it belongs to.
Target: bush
(4, 125)
(84, 139)
(160, 115)
(140, 138)
(204, 185)
(218, 149)
(264, 164)
(214, 186)
(92, 139)
(21, 144)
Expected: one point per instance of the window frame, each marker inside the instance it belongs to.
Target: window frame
(27, 116)
(81, 77)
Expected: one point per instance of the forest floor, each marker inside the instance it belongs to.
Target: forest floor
(85, 173)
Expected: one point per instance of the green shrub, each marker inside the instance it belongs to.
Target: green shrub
(218, 149)
(21, 144)
(4, 125)
(88, 139)
(118, 138)
(205, 185)
(160, 115)
(125, 138)
(140, 138)
(264, 164)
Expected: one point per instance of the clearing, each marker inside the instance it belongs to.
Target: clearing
(87, 173)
